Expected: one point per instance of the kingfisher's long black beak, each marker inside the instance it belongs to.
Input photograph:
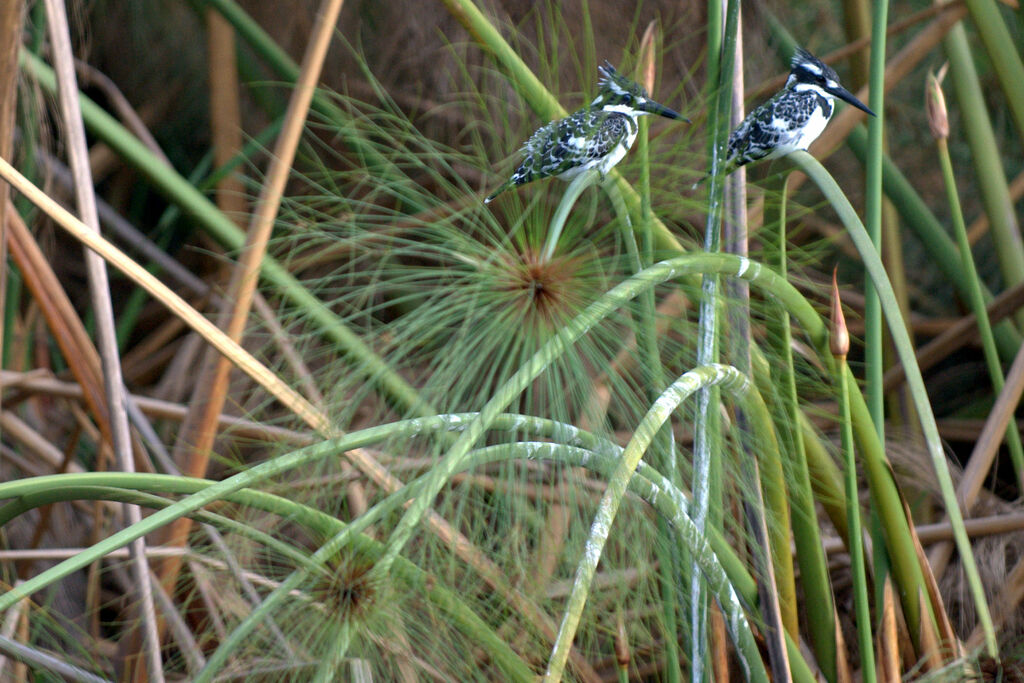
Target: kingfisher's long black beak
(846, 96)
(652, 107)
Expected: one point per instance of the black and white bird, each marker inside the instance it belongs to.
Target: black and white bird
(794, 117)
(595, 137)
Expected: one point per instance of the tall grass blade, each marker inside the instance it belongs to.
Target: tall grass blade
(1006, 59)
(780, 383)
(706, 478)
(897, 329)
(840, 342)
(938, 122)
(988, 166)
(873, 339)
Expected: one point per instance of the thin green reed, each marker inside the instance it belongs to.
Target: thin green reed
(988, 166)
(647, 341)
(780, 380)
(905, 350)
(939, 124)
(840, 341)
(706, 483)
(873, 338)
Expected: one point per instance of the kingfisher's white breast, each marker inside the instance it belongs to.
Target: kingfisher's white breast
(811, 130)
(799, 138)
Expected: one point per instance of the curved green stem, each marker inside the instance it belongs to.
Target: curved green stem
(568, 335)
(205, 495)
(580, 448)
(905, 350)
(734, 382)
(572, 193)
(132, 488)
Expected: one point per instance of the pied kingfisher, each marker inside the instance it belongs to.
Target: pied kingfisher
(597, 136)
(794, 117)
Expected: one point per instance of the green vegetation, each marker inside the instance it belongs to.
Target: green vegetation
(605, 430)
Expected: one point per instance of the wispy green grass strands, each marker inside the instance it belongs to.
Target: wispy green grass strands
(626, 291)
(224, 230)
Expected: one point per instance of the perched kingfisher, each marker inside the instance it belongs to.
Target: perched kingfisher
(595, 137)
(794, 117)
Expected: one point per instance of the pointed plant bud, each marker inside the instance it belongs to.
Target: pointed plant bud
(839, 339)
(646, 67)
(935, 105)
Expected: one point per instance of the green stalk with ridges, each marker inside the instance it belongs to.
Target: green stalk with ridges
(855, 536)
(707, 470)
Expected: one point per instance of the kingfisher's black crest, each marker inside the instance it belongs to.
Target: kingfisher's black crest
(794, 117)
(595, 137)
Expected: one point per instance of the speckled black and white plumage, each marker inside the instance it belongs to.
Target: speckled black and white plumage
(793, 118)
(570, 146)
(781, 125)
(595, 137)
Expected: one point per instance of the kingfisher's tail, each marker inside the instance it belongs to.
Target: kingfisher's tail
(504, 186)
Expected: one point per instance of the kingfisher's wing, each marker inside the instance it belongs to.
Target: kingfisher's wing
(573, 141)
(607, 130)
(768, 127)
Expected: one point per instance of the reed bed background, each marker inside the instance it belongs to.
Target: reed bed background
(284, 400)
